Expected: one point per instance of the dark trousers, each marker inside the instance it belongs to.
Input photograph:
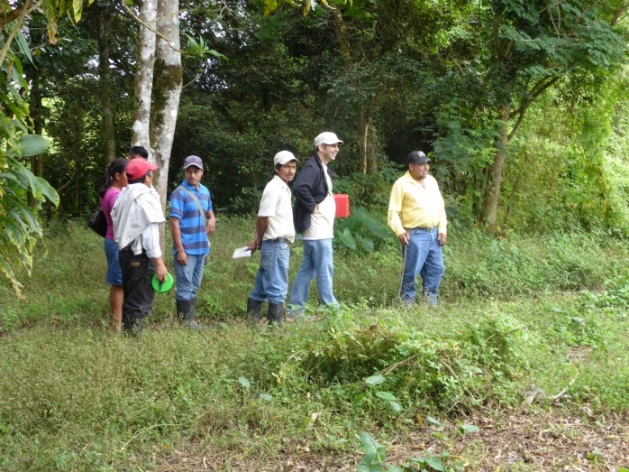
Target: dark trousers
(137, 272)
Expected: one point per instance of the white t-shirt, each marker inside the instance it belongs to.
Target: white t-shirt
(275, 204)
(322, 221)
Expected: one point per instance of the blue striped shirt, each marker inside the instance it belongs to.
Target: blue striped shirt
(191, 221)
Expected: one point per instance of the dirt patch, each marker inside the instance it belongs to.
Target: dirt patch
(533, 440)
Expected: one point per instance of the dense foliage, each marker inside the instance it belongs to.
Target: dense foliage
(524, 114)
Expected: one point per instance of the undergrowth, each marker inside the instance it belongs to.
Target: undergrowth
(514, 316)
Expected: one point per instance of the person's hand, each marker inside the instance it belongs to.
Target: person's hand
(253, 246)
(182, 257)
(210, 225)
(316, 210)
(161, 271)
(441, 237)
(403, 238)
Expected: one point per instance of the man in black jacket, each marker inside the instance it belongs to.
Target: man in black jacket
(314, 213)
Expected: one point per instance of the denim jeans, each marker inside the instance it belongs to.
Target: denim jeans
(272, 277)
(188, 277)
(114, 272)
(317, 262)
(422, 256)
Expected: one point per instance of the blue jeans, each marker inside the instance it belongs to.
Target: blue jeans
(422, 256)
(272, 277)
(317, 262)
(188, 277)
(114, 272)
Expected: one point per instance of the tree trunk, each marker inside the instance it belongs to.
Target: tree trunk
(107, 115)
(140, 134)
(493, 195)
(166, 90)
(368, 163)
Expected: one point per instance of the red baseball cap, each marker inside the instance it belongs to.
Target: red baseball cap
(139, 167)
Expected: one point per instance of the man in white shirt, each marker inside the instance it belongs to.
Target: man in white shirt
(274, 234)
(314, 213)
(137, 217)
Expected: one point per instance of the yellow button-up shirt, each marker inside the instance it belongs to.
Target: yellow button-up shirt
(413, 205)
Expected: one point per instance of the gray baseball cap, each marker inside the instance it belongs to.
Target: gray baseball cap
(193, 161)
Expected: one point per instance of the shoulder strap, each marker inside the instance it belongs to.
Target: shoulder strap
(196, 200)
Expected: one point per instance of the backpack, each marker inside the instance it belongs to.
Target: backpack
(98, 223)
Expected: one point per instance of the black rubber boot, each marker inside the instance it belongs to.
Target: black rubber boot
(186, 313)
(254, 310)
(274, 315)
(132, 326)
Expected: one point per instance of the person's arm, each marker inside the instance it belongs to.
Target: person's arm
(210, 224)
(394, 219)
(150, 243)
(262, 223)
(160, 269)
(443, 221)
(175, 231)
(302, 188)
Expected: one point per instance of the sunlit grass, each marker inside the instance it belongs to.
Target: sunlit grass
(76, 396)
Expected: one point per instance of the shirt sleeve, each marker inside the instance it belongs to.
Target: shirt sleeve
(443, 221)
(150, 241)
(395, 209)
(268, 203)
(177, 205)
(207, 201)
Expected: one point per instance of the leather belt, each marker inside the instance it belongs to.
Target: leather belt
(428, 230)
(277, 240)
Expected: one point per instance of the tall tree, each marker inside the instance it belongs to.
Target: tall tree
(163, 65)
(533, 46)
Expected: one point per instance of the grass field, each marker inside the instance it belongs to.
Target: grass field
(523, 366)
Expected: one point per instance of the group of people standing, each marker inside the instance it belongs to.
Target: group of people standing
(132, 244)
(134, 215)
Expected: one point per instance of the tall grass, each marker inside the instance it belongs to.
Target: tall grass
(514, 313)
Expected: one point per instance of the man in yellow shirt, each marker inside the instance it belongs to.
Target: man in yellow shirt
(417, 216)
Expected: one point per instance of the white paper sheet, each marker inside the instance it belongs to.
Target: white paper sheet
(241, 252)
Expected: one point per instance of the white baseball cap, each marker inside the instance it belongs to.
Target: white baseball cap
(326, 138)
(283, 157)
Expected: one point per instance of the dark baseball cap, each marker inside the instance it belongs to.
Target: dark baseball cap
(417, 157)
(193, 161)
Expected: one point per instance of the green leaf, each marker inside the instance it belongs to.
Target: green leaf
(375, 380)
(265, 397)
(469, 428)
(32, 145)
(434, 462)
(23, 45)
(396, 406)
(347, 239)
(369, 445)
(432, 420)
(386, 396)
(77, 6)
(244, 382)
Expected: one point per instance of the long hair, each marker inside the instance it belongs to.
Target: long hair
(117, 166)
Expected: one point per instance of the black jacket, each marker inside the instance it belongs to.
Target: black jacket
(310, 188)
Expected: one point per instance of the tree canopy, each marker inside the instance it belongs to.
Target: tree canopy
(520, 103)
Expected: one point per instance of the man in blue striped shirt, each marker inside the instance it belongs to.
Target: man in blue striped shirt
(191, 220)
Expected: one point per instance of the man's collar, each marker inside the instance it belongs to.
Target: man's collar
(186, 184)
